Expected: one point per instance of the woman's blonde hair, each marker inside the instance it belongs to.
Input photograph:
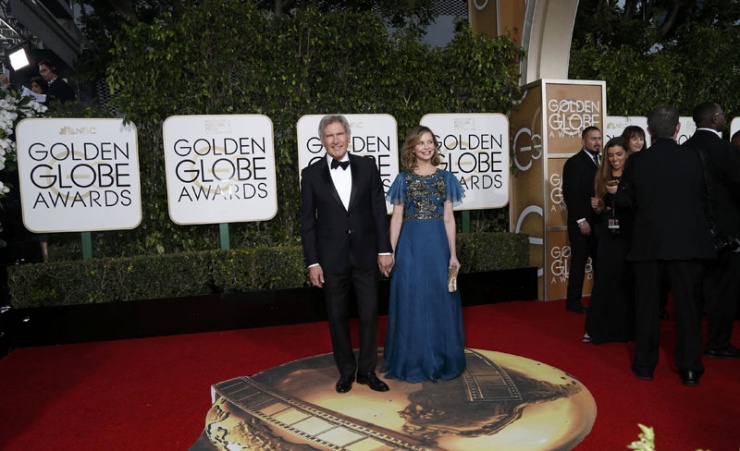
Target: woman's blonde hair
(408, 158)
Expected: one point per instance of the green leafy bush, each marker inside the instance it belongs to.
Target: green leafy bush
(247, 61)
(207, 272)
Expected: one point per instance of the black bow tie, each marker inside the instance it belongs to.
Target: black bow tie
(336, 163)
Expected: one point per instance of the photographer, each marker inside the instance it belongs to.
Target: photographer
(721, 162)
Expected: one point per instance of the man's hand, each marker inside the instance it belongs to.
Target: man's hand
(385, 264)
(316, 274)
(585, 228)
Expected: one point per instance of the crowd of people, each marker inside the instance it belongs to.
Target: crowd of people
(653, 220)
(48, 87)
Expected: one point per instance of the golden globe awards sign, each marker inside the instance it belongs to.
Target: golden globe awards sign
(615, 126)
(220, 168)
(78, 175)
(371, 135)
(476, 151)
(687, 130)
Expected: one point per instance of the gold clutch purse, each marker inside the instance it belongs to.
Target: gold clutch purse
(452, 280)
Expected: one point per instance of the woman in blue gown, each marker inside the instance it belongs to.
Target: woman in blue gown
(425, 339)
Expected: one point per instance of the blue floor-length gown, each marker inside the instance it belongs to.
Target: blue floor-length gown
(425, 337)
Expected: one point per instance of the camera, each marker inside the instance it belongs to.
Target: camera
(724, 242)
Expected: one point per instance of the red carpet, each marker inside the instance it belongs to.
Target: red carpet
(154, 393)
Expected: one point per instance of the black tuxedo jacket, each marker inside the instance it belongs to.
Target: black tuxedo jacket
(578, 188)
(723, 174)
(60, 91)
(338, 238)
(664, 184)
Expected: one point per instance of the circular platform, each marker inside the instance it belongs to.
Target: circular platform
(501, 401)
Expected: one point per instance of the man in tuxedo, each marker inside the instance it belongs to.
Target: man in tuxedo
(664, 186)
(578, 189)
(721, 283)
(59, 90)
(344, 229)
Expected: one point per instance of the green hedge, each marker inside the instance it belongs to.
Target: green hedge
(207, 272)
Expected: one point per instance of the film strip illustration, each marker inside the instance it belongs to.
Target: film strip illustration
(315, 425)
(486, 381)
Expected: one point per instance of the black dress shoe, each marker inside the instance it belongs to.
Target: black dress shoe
(345, 384)
(728, 352)
(641, 373)
(689, 378)
(576, 308)
(372, 381)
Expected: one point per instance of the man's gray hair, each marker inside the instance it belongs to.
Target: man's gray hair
(662, 121)
(330, 119)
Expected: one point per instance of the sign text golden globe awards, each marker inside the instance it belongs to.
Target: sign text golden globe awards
(476, 151)
(220, 168)
(78, 175)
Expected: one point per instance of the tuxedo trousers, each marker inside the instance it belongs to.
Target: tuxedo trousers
(338, 290)
(581, 247)
(721, 293)
(685, 277)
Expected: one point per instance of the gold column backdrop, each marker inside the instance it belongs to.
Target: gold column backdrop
(546, 129)
(498, 17)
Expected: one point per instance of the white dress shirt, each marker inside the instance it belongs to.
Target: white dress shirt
(342, 179)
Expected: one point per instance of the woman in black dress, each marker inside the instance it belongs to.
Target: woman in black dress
(610, 314)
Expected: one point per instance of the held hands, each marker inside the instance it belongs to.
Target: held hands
(385, 264)
(316, 274)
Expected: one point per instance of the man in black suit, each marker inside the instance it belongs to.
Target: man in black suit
(59, 90)
(344, 229)
(664, 185)
(721, 282)
(578, 189)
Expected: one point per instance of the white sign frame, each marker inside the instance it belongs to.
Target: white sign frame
(371, 135)
(615, 126)
(220, 168)
(78, 174)
(734, 126)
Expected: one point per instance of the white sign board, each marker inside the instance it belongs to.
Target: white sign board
(371, 135)
(615, 125)
(220, 168)
(734, 126)
(688, 128)
(476, 150)
(78, 175)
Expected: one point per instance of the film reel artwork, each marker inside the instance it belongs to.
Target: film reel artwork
(498, 401)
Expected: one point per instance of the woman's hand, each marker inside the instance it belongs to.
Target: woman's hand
(611, 186)
(597, 204)
(454, 263)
